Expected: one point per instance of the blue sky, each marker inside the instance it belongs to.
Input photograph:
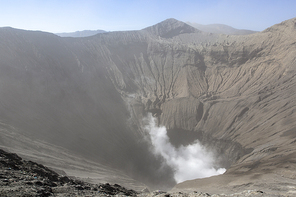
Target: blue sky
(115, 15)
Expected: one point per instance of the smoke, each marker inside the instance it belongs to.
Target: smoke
(188, 162)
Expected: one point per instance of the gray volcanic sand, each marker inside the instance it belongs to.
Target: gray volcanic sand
(77, 104)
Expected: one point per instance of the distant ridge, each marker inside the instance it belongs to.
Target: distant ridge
(221, 29)
(84, 33)
(170, 28)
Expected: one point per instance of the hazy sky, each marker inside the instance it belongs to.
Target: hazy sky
(112, 15)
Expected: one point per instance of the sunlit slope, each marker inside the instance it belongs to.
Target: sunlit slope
(236, 92)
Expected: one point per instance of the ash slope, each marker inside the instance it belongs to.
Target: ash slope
(56, 91)
(236, 94)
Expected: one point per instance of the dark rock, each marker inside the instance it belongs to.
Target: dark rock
(11, 156)
(43, 171)
(44, 192)
(64, 179)
(29, 183)
(116, 189)
(38, 183)
(49, 183)
(79, 187)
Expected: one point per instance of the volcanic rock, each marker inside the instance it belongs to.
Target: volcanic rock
(26, 178)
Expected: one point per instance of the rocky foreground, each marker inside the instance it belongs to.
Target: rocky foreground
(26, 178)
(19, 177)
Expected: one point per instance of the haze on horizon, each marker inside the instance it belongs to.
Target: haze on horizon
(114, 15)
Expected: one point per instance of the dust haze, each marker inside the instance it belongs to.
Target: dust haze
(88, 96)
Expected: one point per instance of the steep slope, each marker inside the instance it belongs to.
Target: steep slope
(252, 103)
(235, 94)
(50, 94)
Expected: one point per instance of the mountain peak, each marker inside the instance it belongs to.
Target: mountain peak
(170, 28)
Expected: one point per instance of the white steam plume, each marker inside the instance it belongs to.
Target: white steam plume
(188, 162)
